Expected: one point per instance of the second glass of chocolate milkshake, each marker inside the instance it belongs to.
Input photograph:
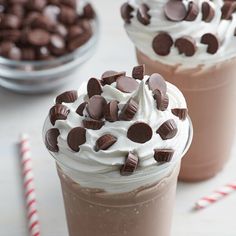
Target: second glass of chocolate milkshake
(192, 44)
(118, 146)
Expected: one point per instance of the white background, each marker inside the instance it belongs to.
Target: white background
(26, 113)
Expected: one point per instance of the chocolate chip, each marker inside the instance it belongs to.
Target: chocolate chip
(111, 76)
(138, 72)
(67, 15)
(58, 112)
(186, 45)
(10, 35)
(42, 22)
(94, 87)
(36, 5)
(142, 14)
(51, 140)
(106, 141)
(80, 109)
(28, 53)
(162, 44)
(67, 97)
(5, 48)
(175, 10)
(38, 37)
(126, 84)
(163, 155)
(111, 111)
(212, 41)
(88, 12)
(162, 100)
(193, 11)
(96, 106)
(76, 137)
(70, 3)
(129, 110)
(182, 113)
(10, 21)
(93, 124)
(167, 130)
(208, 12)
(139, 132)
(156, 81)
(17, 10)
(227, 10)
(57, 45)
(126, 12)
(73, 32)
(130, 165)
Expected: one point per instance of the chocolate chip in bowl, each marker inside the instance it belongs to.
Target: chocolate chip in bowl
(43, 42)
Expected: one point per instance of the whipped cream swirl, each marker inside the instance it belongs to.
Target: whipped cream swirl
(142, 36)
(101, 169)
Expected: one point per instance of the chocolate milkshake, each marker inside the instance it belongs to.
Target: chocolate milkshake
(118, 145)
(191, 43)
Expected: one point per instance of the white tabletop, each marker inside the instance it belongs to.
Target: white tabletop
(19, 113)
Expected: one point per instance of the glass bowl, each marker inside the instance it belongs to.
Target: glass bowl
(44, 76)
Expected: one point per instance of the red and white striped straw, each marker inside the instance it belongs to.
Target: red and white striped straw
(216, 196)
(28, 184)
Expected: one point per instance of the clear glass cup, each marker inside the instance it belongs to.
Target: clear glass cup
(146, 210)
(43, 76)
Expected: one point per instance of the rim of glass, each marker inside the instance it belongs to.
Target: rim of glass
(80, 51)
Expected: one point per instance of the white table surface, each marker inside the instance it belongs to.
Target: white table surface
(26, 113)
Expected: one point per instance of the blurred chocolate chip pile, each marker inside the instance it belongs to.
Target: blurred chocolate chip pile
(43, 29)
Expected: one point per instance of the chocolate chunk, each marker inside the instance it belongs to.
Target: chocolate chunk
(129, 110)
(111, 111)
(162, 100)
(36, 5)
(88, 12)
(156, 81)
(58, 112)
(175, 10)
(142, 14)
(73, 32)
(106, 141)
(208, 12)
(94, 87)
(80, 109)
(126, 84)
(182, 113)
(67, 15)
(5, 48)
(130, 165)
(96, 106)
(14, 54)
(186, 45)
(111, 76)
(42, 22)
(162, 44)
(51, 140)
(168, 129)
(139, 132)
(10, 35)
(193, 11)
(17, 10)
(70, 3)
(10, 21)
(163, 155)
(93, 124)
(212, 41)
(126, 12)
(76, 137)
(38, 37)
(61, 30)
(227, 10)
(57, 45)
(138, 72)
(67, 97)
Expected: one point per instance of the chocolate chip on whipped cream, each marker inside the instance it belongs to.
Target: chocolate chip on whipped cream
(212, 43)
(126, 11)
(162, 44)
(142, 14)
(227, 10)
(175, 10)
(193, 11)
(186, 45)
(105, 124)
(208, 12)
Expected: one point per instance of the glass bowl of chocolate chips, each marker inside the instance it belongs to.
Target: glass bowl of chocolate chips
(43, 41)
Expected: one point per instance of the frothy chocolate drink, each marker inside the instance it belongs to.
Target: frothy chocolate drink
(118, 143)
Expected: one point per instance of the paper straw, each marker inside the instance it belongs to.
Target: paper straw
(28, 185)
(216, 196)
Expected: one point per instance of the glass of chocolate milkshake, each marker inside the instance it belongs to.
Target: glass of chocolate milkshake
(191, 43)
(118, 144)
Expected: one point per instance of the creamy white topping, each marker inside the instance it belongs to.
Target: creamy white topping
(142, 36)
(101, 169)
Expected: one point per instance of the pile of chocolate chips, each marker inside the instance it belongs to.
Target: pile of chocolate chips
(42, 29)
(176, 11)
(96, 111)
